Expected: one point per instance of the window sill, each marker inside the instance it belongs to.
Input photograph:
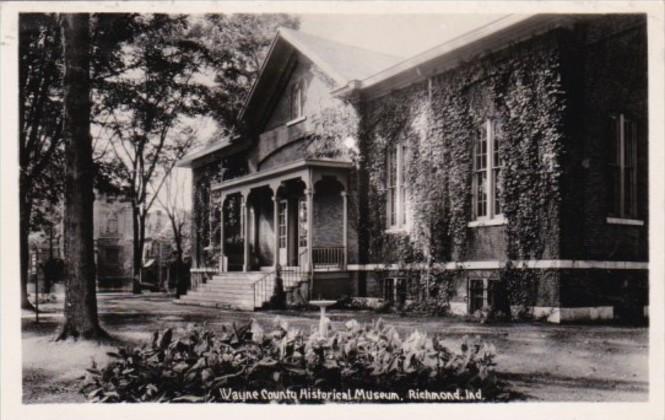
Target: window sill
(296, 121)
(623, 221)
(397, 230)
(496, 221)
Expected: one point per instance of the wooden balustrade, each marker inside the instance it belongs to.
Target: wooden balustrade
(328, 257)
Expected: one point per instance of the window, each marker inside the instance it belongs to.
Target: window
(476, 295)
(302, 223)
(112, 225)
(482, 293)
(397, 194)
(282, 223)
(622, 167)
(296, 101)
(487, 164)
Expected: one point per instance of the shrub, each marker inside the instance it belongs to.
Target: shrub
(198, 365)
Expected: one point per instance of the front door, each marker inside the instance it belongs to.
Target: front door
(283, 231)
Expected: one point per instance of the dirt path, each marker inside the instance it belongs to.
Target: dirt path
(542, 361)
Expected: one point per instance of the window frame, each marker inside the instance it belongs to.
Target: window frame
(397, 196)
(296, 101)
(625, 159)
(490, 173)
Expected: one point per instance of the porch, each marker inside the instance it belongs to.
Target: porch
(292, 218)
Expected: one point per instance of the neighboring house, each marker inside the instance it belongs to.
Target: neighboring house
(158, 248)
(113, 236)
(509, 161)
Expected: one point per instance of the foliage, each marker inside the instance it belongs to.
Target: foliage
(237, 45)
(143, 110)
(330, 128)
(197, 365)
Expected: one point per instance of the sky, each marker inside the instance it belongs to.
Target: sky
(400, 35)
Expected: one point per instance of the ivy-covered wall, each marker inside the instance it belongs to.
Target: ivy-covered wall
(438, 120)
(204, 228)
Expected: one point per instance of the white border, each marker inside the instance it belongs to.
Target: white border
(10, 360)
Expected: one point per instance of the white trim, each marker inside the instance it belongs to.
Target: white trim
(458, 308)
(497, 220)
(561, 314)
(296, 120)
(496, 264)
(622, 221)
(394, 230)
(553, 314)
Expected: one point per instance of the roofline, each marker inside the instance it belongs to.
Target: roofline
(318, 61)
(446, 50)
(282, 33)
(262, 176)
(261, 70)
(188, 160)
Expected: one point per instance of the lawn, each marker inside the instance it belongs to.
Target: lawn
(540, 361)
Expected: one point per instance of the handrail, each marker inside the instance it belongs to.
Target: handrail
(263, 289)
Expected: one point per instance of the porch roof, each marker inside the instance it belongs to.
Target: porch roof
(274, 176)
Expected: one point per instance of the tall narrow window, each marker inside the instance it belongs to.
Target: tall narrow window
(112, 225)
(487, 165)
(622, 167)
(296, 100)
(397, 194)
(392, 187)
(302, 222)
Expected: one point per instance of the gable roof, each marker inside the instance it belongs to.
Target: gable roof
(342, 62)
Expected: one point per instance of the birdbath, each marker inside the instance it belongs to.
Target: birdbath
(322, 304)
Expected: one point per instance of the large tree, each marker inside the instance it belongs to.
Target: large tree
(80, 298)
(41, 147)
(143, 111)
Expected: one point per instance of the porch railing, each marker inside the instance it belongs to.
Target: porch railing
(328, 257)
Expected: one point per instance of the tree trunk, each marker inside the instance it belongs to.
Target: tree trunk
(80, 297)
(24, 229)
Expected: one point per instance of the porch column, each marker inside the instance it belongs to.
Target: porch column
(309, 194)
(275, 208)
(244, 217)
(222, 266)
(345, 239)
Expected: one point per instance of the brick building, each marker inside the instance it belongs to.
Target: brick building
(512, 159)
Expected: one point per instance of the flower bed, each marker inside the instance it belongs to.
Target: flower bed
(286, 365)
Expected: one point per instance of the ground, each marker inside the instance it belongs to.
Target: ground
(541, 361)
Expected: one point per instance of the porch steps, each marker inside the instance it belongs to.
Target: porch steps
(232, 290)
